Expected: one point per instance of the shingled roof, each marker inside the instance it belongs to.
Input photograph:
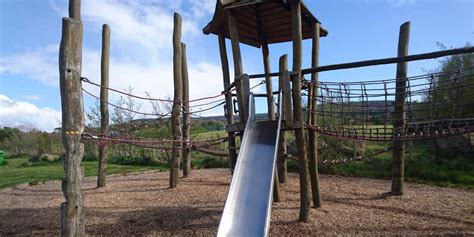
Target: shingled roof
(270, 19)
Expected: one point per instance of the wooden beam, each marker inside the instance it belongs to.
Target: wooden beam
(178, 94)
(229, 112)
(284, 87)
(238, 68)
(398, 159)
(268, 81)
(186, 155)
(266, 66)
(70, 65)
(398, 59)
(245, 94)
(268, 85)
(376, 62)
(312, 120)
(104, 106)
(298, 110)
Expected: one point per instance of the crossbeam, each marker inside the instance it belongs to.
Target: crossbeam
(374, 62)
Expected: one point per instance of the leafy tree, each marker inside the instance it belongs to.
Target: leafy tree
(452, 94)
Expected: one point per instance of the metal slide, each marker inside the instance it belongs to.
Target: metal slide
(249, 201)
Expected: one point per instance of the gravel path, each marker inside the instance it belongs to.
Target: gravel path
(142, 204)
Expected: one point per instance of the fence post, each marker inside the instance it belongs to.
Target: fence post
(104, 107)
(70, 66)
(298, 110)
(398, 159)
(283, 84)
(186, 118)
(313, 136)
(228, 101)
(177, 100)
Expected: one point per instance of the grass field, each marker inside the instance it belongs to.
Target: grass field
(16, 172)
(423, 167)
(455, 171)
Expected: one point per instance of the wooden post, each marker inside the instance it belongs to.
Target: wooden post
(186, 118)
(104, 107)
(175, 112)
(268, 80)
(283, 86)
(75, 9)
(398, 159)
(70, 66)
(313, 136)
(298, 110)
(228, 101)
(238, 68)
(244, 79)
(270, 106)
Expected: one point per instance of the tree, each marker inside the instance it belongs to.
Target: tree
(452, 94)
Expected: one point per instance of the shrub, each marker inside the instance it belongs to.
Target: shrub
(90, 158)
(142, 161)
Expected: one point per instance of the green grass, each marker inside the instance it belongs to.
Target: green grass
(454, 171)
(208, 135)
(16, 172)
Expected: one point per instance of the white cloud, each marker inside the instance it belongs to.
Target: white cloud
(18, 113)
(156, 79)
(142, 28)
(40, 64)
(143, 23)
(32, 97)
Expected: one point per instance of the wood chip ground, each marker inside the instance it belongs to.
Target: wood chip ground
(141, 203)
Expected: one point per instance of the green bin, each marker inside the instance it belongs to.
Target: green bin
(2, 160)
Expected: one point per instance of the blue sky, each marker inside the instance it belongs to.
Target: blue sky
(141, 54)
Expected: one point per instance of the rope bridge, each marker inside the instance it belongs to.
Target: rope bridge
(436, 105)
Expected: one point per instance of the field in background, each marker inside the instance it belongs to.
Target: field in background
(422, 167)
(17, 171)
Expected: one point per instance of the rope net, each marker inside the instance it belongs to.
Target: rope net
(436, 105)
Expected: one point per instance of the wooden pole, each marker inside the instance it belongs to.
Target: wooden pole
(268, 80)
(244, 79)
(271, 109)
(298, 111)
(178, 93)
(313, 136)
(75, 9)
(283, 86)
(398, 159)
(186, 117)
(70, 65)
(104, 107)
(228, 101)
(238, 68)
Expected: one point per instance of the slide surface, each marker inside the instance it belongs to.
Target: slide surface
(248, 206)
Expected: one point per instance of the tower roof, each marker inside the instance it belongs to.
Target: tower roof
(261, 19)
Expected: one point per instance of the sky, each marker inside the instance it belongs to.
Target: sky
(141, 47)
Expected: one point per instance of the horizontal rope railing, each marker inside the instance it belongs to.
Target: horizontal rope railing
(86, 80)
(197, 143)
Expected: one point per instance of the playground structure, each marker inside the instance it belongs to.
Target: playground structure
(341, 110)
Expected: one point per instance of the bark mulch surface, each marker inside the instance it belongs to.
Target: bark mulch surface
(141, 203)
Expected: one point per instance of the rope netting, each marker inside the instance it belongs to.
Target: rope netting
(163, 144)
(436, 105)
